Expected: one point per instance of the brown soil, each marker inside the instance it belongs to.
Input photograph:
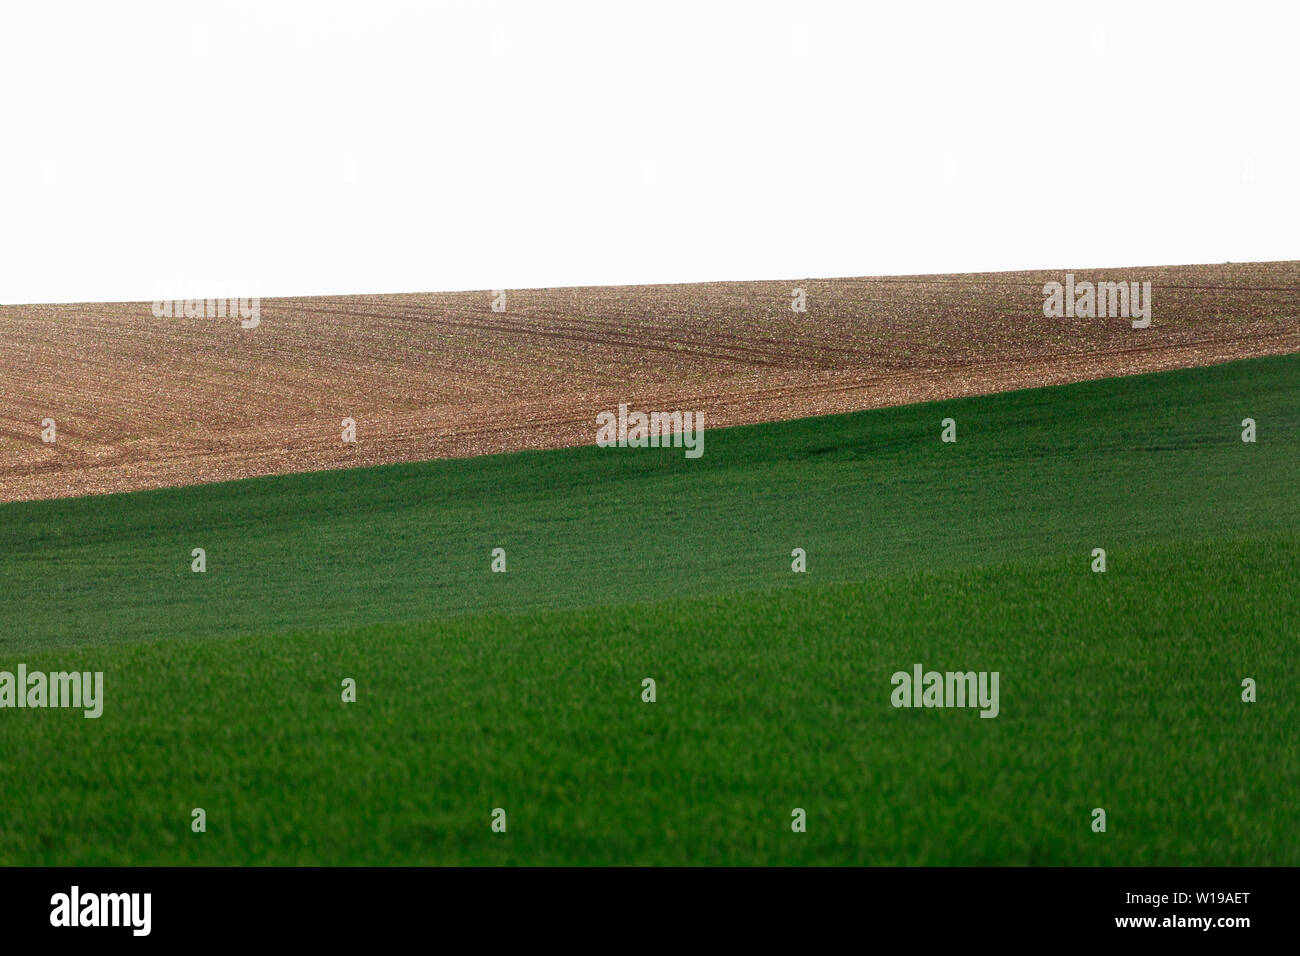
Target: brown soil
(142, 402)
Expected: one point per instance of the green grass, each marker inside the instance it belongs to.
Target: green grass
(1119, 691)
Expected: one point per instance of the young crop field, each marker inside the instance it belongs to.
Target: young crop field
(524, 690)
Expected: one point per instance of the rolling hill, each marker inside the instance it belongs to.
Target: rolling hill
(478, 690)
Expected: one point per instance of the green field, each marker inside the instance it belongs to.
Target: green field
(522, 690)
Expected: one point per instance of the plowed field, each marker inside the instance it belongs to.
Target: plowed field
(143, 402)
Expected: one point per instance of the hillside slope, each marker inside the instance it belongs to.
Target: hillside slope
(1117, 463)
(142, 402)
(522, 690)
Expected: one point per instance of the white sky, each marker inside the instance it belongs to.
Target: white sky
(264, 148)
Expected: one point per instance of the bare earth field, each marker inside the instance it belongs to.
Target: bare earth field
(142, 402)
